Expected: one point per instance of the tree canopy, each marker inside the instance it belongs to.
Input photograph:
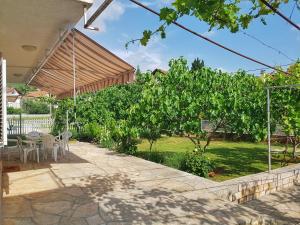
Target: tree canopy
(219, 14)
(178, 103)
(285, 103)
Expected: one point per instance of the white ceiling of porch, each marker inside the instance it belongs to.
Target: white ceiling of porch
(33, 22)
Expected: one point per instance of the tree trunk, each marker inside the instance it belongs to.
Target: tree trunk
(286, 144)
(295, 145)
(295, 142)
(151, 144)
(196, 142)
(294, 150)
(208, 142)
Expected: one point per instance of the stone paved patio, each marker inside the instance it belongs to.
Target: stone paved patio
(95, 186)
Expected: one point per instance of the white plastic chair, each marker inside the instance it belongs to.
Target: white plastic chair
(27, 146)
(12, 149)
(63, 140)
(49, 143)
(34, 135)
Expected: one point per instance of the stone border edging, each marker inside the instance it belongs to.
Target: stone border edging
(254, 186)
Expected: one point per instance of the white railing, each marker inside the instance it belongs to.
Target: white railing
(19, 125)
(3, 127)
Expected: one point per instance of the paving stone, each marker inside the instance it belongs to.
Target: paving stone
(18, 221)
(72, 221)
(95, 186)
(49, 196)
(86, 210)
(95, 220)
(76, 192)
(16, 207)
(45, 219)
(52, 207)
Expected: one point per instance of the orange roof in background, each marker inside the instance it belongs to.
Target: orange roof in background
(157, 70)
(12, 91)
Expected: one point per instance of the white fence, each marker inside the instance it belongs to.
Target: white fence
(17, 125)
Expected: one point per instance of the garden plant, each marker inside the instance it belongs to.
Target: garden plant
(177, 102)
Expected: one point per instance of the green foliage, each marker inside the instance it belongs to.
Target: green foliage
(104, 137)
(197, 64)
(171, 159)
(91, 131)
(219, 14)
(285, 103)
(125, 137)
(154, 156)
(35, 107)
(196, 164)
(231, 158)
(23, 89)
(177, 103)
(60, 117)
(246, 106)
(103, 117)
(147, 113)
(12, 110)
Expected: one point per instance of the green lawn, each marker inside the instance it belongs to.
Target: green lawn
(232, 159)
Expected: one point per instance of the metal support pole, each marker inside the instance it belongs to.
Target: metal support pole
(97, 13)
(74, 72)
(51, 52)
(50, 106)
(67, 120)
(269, 130)
(20, 119)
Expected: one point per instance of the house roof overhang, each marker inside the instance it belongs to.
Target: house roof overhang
(28, 29)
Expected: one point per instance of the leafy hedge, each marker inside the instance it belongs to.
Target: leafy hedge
(175, 104)
(35, 107)
(12, 110)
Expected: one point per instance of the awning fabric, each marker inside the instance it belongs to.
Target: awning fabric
(96, 68)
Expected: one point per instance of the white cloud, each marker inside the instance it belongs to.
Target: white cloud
(149, 57)
(115, 11)
(112, 13)
(223, 70)
(209, 33)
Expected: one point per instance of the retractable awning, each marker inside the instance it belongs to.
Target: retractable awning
(79, 63)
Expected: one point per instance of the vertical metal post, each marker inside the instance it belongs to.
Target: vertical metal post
(269, 130)
(20, 119)
(67, 118)
(84, 15)
(74, 71)
(50, 105)
(3, 100)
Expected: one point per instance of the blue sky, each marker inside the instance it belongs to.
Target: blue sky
(123, 21)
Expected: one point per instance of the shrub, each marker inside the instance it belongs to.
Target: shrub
(197, 164)
(35, 107)
(153, 156)
(12, 110)
(104, 138)
(125, 137)
(75, 134)
(174, 160)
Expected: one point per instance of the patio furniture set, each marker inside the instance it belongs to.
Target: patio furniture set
(38, 145)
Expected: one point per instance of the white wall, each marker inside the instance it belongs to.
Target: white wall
(16, 104)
